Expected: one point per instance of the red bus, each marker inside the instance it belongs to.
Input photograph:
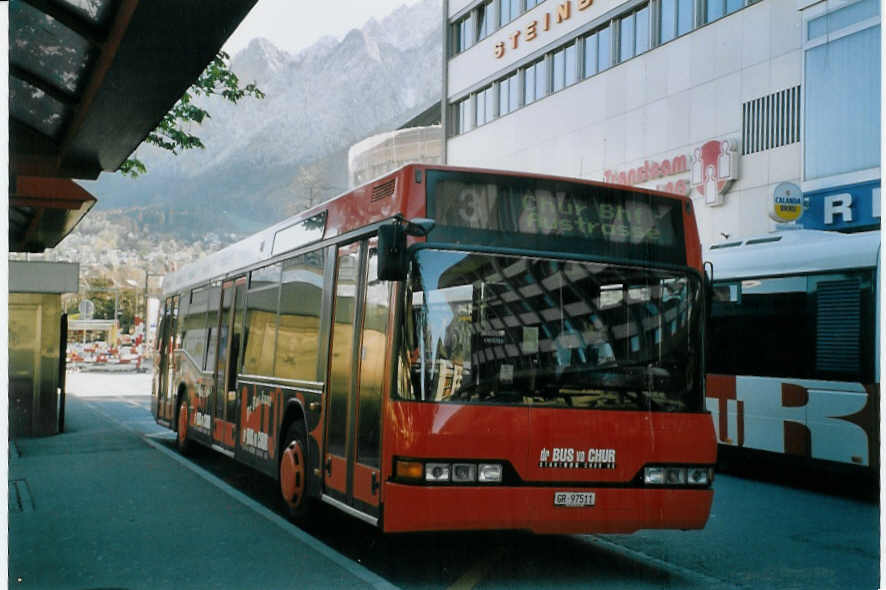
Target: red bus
(455, 349)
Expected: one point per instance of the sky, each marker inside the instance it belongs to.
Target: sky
(292, 25)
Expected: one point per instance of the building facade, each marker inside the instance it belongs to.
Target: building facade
(765, 112)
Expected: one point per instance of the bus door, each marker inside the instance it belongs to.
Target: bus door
(230, 329)
(356, 376)
(166, 367)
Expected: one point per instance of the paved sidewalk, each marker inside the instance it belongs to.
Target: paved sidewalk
(103, 506)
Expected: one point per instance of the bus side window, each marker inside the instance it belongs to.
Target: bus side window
(261, 321)
(298, 339)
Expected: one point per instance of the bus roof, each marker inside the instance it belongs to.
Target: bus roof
(796, 251)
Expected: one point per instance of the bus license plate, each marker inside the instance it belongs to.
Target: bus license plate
(574, 499)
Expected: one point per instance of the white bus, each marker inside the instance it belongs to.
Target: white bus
(793, 345)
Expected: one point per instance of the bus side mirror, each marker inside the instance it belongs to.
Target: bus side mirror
(392, 261)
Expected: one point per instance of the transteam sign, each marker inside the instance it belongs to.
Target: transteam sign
(711, 168)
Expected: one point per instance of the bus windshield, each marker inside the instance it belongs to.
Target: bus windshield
(500, 329)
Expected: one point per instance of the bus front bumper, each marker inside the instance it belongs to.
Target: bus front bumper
(615, 510)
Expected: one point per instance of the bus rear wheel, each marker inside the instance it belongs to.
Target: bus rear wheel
(293, 472)
(181, 440)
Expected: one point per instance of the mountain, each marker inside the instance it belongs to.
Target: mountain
(268, 158)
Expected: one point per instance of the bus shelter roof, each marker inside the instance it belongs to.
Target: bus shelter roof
(88, 81)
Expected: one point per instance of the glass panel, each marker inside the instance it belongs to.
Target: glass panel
(685, 16)
(212, 327)
(489, 96)
(733, 5)
(642, 32)
(481, 109)
(529, 84)
(299, 234)
(604, 49)
(843, 105)
(818, 27)
(219, 368)
(627, 38)
(503, 97)
(514, 92)
(484, 20)
(590, 55)
(464, 117)
(776, 328)
(47, 48)
(342, 358)
(35, 108)
(714, 10)
(194, 329)
(668, 24)
(571, 64)
(505, 15)
(236, 341)
(534, 331)
(541, 79)
(559, 67)
(298, 340)
(854, 13)
(96, 11)
(261, 331)
(372, 365)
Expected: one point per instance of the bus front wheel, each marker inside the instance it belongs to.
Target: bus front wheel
(294, 475)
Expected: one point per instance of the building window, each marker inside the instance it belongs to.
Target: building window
(484, 20)
(532, 3)
(597, 51)
(842, 91)
(485, 105)
(462, 112)
(463, 33)
(535, 81)
(508, 94)
(676, 18)
(509, 10)
(715, 9)
(564, 66)
(634, 33)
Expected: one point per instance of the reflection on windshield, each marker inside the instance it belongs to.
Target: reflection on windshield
(535, 331)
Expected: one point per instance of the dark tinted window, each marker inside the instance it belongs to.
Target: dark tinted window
(810, 326)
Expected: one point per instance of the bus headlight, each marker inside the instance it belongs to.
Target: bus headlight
(462, 472)
(490, 473)
(677, 476)
(699, 476)
(437, 472)
(444, 472)
(653, 475)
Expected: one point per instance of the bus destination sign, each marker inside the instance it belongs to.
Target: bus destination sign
(555, 209)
